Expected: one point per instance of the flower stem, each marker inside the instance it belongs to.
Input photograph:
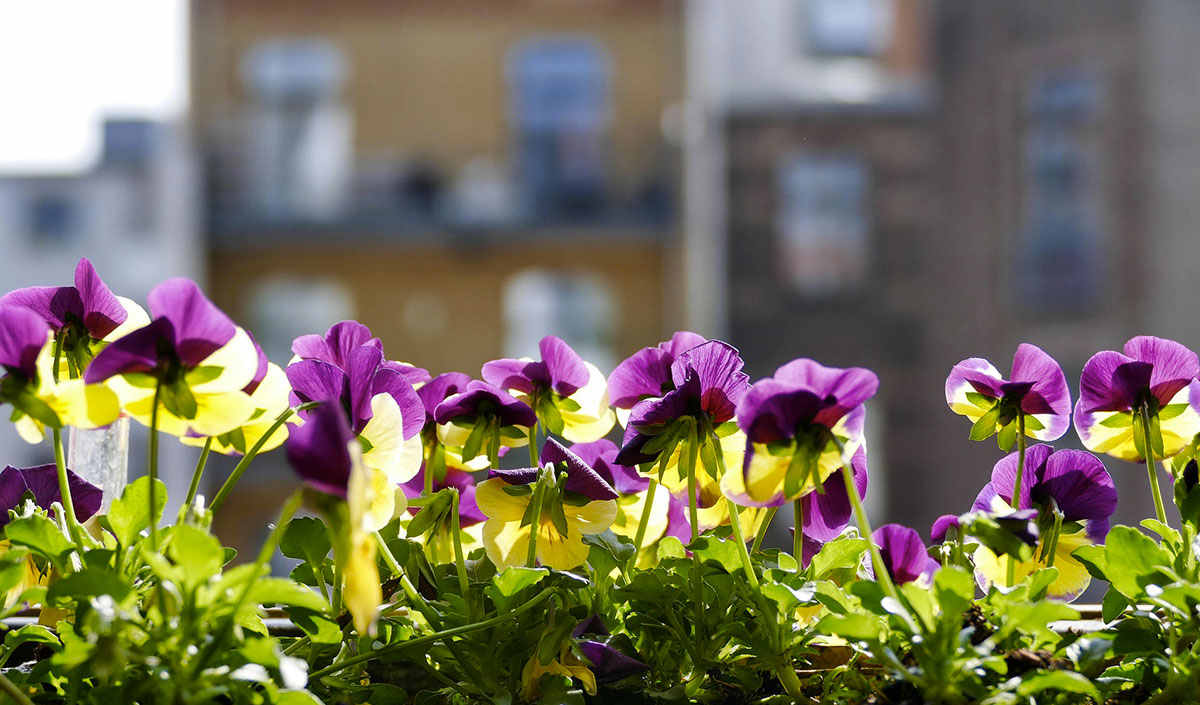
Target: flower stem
(762, 532)
(430, 450)
(11, 690)
(195, 484)
(64, 489)
(240, 468)
(533, 449)
(864, 526)
(644, 521)
(433, 638)
(152, 465)
(1015, 502)
(1159, 511)
(693, 449)
(460, 560)
(798, 532)
(535, 524)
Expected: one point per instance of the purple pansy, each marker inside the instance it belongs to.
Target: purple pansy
(318, 451)
(89, 305)
(440, 388)
(581, 478)
(1037, 392)
(335, 346)
(791, 422)
(942, 526)
(1154, 377)
(42, 482)
(601, 455)
(609, 665)
(709, 383)
(560, 369)
(355, 385)
(1071, 482)
(482, 399)
(647, 373)
(904, 554)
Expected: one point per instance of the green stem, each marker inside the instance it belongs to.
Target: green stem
(1159, 511)
(195, 484)
(1052, 546)
(290, 506)
(735, 523)
(762, 532)
(152, 466)
(11, 690)
(864, 525)
(430, 450)
(1015, 502)
(644, 521)
(64, 489)
(533, 448)
(535, 524)
(244, 463)
(460, 560)
(798, 532)
(693, 449)
(432, 638)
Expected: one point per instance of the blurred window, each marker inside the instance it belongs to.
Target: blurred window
(285, 307)
(822, 221)
(560, 106)
(53, 218)
(1060, 263)
(575, 306)
(849, 27)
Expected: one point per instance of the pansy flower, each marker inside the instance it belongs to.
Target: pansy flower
(42, 483)
(438, 456)
(480, 419)
(601, 456)
(577, 502)
(84, 317)
(1037, 395)
(28, 382)
(269, 393)
(382, 409)
(190, 359)
(1154, 381)
(647, 372)
(945, 526)
(570, 396)
(1073, 496)
(325, 453)
(904, 554)
(791, 422)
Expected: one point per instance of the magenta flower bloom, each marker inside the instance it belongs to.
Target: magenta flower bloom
(481, 418)
(647, 373)
(941, 527)
(192, 354)
(1153, 382)
(1067, 488)
(438, 389)
(904, 554)
(601, 456)
(42, 482)
(570, 396)
(336, 345)
(708, 384)
(1038, 392)
(85, 316)
(791, 421)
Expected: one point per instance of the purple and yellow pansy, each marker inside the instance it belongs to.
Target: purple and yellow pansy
(1036, 397)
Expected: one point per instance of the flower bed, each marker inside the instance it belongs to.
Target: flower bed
(431, 569)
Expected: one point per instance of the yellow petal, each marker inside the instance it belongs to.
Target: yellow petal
(629, 514)
(591, 518)
(389, 452)
(362, 594)
(135, 318)
(30, 430)
(506, 542)
(594, 419)
(238, 361)
(497, 504)
(562, 552)
(82, 405)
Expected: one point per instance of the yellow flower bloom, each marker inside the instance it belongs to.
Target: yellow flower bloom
(567, 664)
(507, 541)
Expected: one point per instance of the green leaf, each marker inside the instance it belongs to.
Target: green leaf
(721, 552)
(550, 416)
(130, 515)
(1062, 681)
(983, 401)
(296, 697)
(954, 589)
(1120, 419)
(30, 634)
(851, 627)
(838, 554)
(474, 442)
(513, 580)
(319, 628)
(1132, 561)
(1041, 582)
(88, 583)
(436, 510)
(1167, 533)
(986, 425)
(1113, 605)
(197, 552)
(281, 591)
(42, 536)
(671, 547)
(178, 399)
(1007, 437)
(620, 549)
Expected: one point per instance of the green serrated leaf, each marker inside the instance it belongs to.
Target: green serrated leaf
(41, 536)
(513, 580)
(130, 515)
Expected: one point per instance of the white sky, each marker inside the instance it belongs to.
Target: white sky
(64, 64)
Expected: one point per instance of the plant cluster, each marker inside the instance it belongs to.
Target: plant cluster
(596, 572)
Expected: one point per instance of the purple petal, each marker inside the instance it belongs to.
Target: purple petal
(1079, 483)
(677, 403)
(826, 515)
(336, 344)
(480, 397)
(682, 341)
(515, 476)
(608, 664)
(941, 526)
(1049, 393)
(200, 327)
(1175, 365)
(1004, 475)
(438, 389)
(101, 311)
(601, 455)
(260, 372)
(412, 410)
(903, 553)
(980, 374)
(567, 372)
(631, 448)
(841, 389)
(313, 380)
(774, 410)
(581, 478)
(42, 481)
(361, 365)
(52, 303)
(318, 450)
(135, 352)
(591, 625)
(646, 373)
(518, 375)
(678, 524)
(413, 374)
(468, 511)
(718, 367)
(1111, 382)
(23, 333)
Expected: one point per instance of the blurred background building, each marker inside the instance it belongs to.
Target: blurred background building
(898, 184)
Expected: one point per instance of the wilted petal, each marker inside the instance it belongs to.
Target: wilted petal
(581, 478)
(608, 664)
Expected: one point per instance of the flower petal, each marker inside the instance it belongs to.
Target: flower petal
(200, 327)
(100, 310)
(497, 504)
